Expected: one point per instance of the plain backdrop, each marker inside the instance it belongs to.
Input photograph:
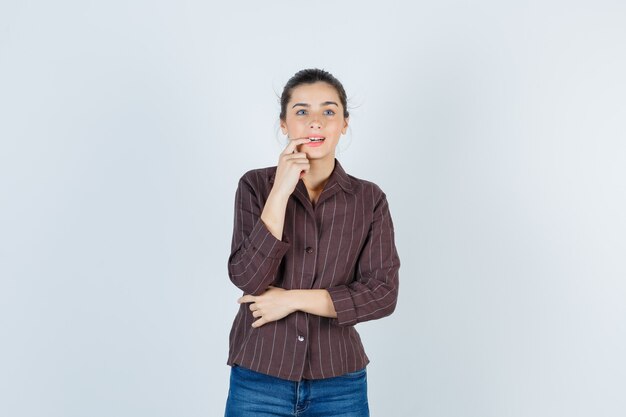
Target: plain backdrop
(495, 128)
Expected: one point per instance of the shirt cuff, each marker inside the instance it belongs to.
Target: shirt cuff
(344, 306)
(265, 242)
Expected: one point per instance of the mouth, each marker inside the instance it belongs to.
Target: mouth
(317, 138)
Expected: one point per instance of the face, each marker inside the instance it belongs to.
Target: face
(315, 111)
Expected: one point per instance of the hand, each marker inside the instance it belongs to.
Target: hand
(292, 166)
(270, 306)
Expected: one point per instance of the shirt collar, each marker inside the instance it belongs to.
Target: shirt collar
(338, 176)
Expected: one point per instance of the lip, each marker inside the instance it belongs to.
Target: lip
(314, 144)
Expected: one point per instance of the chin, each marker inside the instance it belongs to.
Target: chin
(318, 155)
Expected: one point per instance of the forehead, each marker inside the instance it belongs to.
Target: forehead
(318, 92)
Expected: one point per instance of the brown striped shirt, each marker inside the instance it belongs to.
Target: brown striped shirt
(345, 244)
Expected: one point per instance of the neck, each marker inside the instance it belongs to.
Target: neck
(319, 173)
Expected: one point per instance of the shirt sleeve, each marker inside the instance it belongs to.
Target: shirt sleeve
(374, 292)
(255, 253)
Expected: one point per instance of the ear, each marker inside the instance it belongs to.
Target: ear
(345, 125)
(283, 127)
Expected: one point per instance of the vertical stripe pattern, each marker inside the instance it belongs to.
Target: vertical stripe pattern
(344, 244)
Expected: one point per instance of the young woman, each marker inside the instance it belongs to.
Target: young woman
(313, 252)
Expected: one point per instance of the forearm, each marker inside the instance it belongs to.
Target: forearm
(358, 302)
(317, 302)
(255, 255)
(276, 303)
(273, 215)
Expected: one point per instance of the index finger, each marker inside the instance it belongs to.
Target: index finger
(291, 146)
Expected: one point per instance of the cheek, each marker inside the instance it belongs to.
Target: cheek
(295, 124)
(335, 125)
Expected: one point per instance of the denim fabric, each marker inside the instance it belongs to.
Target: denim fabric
(253, 394)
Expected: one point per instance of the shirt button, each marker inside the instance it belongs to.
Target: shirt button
(309, 249)
(300, 339)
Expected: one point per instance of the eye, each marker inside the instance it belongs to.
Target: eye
(301, 112)
(329, 112)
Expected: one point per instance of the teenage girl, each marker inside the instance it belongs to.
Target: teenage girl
(313, 252)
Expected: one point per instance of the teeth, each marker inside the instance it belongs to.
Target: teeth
(316, 139)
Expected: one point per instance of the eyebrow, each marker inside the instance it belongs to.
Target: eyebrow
(326, 103)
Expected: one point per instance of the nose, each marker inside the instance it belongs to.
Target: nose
(315, 123)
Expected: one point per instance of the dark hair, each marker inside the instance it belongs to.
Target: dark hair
(310, 76)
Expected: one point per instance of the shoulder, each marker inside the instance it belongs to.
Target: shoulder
(258, 178)
(366, 188)
(371, 197)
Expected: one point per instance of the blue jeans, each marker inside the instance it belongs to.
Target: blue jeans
(253, 394)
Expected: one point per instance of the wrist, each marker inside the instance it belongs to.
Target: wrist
(294, 299)
(314, 301)
(278, 196)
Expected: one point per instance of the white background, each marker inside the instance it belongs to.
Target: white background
(495, 128)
